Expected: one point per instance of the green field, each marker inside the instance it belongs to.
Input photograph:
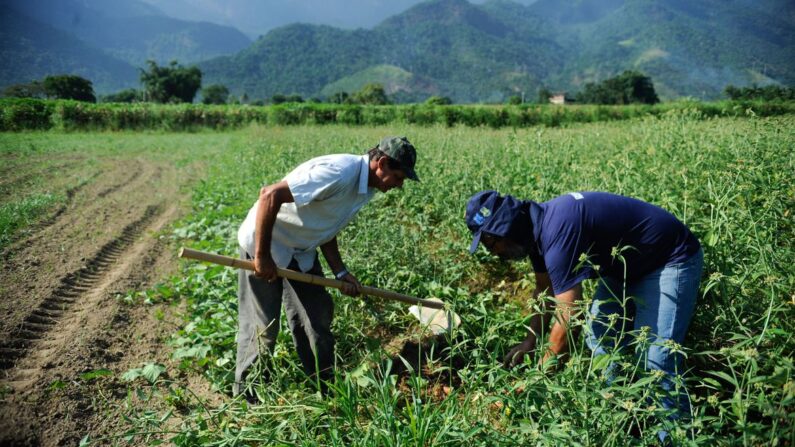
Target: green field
(731, 180)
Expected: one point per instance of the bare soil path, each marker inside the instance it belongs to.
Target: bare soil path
(60, 314)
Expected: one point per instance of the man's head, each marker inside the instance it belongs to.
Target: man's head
(501, 224)
(391, 162)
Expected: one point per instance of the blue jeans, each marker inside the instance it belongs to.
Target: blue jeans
(663, 301)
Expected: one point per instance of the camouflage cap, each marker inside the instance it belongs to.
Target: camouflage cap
(402, 151)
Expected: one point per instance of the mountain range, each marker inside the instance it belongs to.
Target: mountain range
(105, 41)
(469, 52)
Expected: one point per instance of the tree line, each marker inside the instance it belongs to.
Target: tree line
(174, 84)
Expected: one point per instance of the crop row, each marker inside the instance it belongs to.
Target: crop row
(35, 114)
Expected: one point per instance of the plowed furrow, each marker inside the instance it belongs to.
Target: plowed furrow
(35, 229)
(115, 188)
(42, 319)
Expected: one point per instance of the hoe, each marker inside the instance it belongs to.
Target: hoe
(431, 313)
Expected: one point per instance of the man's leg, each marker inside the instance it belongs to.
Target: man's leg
(309, 310)
(666, 301)
(259, 306)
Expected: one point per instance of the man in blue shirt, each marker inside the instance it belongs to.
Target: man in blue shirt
(647, 262)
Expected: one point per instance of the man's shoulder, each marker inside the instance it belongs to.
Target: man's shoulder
(338, 159)
(341, 164)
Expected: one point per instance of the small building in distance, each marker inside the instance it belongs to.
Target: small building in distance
(560, 98)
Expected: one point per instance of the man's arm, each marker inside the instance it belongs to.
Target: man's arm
(331, 252)
(538, 323)
(558, 336)
(271, 198)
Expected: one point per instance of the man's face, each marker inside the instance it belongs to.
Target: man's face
(386, 177)
(503, 247)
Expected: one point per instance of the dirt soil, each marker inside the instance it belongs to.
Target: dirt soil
(60, 312)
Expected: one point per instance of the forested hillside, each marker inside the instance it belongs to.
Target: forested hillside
(501, 48)
(31, 50)
(131, 30)
(485, 52)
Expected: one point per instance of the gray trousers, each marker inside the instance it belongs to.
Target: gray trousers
(309, 311)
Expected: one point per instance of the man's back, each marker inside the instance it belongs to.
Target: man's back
(595, 223)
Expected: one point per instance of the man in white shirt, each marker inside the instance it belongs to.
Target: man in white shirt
(284, 228)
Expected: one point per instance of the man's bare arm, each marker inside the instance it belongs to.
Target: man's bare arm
(558, 335)
(538, 324)
(271, 198)
(331, 252)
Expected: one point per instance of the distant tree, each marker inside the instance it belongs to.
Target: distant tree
(215, 94)
(373, 94)
(339, 98)
(280, 98)
(766, 93)
(69, 87)
(515, 100)
(33, 89)
(439, 101)
(171, 84)
(543, 95)
(314, 100)
(244, 99)
(128, 95)
(626, 88)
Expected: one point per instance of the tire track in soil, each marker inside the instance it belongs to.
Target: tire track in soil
(38, 323)
(63, 232)
(116, 187)
(28, 238)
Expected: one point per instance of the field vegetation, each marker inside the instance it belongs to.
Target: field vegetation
(32, 114)
(731, 179)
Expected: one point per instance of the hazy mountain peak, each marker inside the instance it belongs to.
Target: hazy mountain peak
(446, 13)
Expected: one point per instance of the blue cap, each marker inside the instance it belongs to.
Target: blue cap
(488, 211)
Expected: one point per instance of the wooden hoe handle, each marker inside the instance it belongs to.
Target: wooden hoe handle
(305, 277)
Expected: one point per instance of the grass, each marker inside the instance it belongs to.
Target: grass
(730, 179)
(22, 214)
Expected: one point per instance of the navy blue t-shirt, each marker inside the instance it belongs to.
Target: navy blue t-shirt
(595, 222)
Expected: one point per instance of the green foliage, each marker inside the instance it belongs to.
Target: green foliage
(370, 94)
(755, 93)
(17, 215)
(544, 94)
(514, 100)
(32, 89)
(627, 88)
(215, 94)
(339, 98)
(151, 372)
(17, 114)
(25, 114)
(728, 178)
(281, 99)
(170, 84)
(128, 95)
(69, 87)
(439, 101)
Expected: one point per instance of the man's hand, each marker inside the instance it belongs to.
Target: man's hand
(516, 355)
(351, 286)
(265, 268)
